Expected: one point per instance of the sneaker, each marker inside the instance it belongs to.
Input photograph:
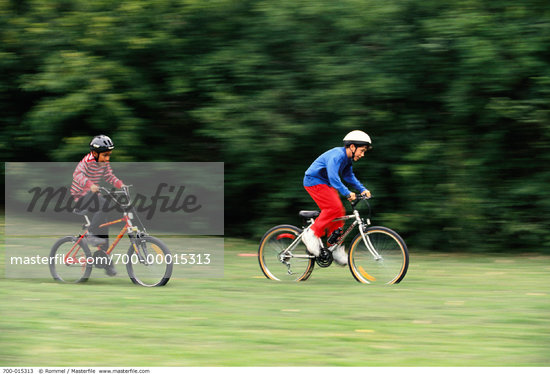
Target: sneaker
(110, 269)
(339, 255)
(103, 261)
(312, 242)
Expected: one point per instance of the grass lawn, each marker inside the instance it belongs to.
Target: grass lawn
(450, 310)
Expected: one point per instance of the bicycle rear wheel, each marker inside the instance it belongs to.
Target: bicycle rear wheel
(70, 260)
(392, 264)
(280, 263)
(150, 262)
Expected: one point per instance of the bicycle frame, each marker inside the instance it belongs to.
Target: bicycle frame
(127, 228)
(358, 221)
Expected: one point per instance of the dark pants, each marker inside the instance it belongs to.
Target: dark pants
(99, 207)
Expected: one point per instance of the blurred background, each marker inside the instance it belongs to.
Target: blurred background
(456, 96)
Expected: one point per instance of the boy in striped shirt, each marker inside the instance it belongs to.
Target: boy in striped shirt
(93, 168)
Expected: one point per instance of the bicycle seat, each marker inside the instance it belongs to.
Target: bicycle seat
(82, 212)
(309, 213)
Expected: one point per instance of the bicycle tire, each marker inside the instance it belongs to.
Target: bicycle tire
(70, 269)
(394, 262)
(153, 266)
(274, 241)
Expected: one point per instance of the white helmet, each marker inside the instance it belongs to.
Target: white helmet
(359, 138)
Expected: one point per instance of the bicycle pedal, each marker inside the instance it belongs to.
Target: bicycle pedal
(101, 259)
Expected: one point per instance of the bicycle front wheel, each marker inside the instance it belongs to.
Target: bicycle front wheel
(150, 262)
(385, 262)
(283, 256)
(70, 260)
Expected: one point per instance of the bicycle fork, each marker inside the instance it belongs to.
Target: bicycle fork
(139, 245)
(366, 239)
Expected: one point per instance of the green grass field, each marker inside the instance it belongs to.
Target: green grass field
(450, 310)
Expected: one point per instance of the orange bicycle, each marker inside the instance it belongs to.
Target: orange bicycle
(148, 260)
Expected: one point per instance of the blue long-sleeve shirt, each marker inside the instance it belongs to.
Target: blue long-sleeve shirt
(328, 168)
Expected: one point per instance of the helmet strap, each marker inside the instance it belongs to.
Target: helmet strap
(353, 152)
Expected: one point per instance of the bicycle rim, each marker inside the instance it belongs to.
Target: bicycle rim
(150, 262)
(291, 266)
(70, 262)
(392, 265)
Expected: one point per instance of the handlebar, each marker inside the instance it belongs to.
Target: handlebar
(124, 190)
(358, 199)
(121, 190)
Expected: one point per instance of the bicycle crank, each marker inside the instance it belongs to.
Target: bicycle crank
(325, 258)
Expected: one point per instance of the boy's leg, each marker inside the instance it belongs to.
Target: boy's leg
(99, 218)
(329, 202)
(95, 204)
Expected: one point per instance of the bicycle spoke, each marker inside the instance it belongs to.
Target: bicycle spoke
(69, 261)
(389, 263)
(150, 262)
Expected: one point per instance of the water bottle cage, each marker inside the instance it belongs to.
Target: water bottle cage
(335, 236)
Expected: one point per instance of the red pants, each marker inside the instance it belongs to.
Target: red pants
(328, 200)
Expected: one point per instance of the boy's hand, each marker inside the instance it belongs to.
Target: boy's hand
(94, 188)
(367, 194)
(351, 196)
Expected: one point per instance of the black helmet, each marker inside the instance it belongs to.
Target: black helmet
(101, 143)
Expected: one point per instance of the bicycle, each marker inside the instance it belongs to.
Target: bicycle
(377, 254)
(148, 260)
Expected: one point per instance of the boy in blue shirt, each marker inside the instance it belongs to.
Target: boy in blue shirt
(323, 183)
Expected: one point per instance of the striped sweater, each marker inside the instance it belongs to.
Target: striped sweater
(89, 172)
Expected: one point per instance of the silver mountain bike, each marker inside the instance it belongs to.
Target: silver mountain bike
(376, 255)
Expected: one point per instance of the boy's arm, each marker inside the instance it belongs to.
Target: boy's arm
(79, 176)
(111, 178)
(349, 177)
(333, 177)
